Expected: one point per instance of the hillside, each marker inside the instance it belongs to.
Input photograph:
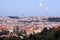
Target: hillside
(51, 34)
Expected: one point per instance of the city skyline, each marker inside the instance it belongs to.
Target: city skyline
(29, 7)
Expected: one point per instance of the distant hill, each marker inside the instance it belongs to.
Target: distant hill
(54, 19)
(13, 17)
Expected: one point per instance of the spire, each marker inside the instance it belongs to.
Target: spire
(47, 12)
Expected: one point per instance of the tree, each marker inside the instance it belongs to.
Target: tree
(22, 32)
(31, 37)
(57, 35)
(5, 32)
(25, 38)
(44, 31)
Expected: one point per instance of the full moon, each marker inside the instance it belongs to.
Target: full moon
(41, 4)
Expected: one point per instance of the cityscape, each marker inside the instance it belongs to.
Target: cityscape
(29, 20)
(29, 24)
(15, 24)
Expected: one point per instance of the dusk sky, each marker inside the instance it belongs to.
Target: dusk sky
(29, 7)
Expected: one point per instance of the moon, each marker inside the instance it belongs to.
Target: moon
(41, 4)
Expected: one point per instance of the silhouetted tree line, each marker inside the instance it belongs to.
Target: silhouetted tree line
(45, 34)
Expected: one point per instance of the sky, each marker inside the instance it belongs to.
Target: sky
(29, 7)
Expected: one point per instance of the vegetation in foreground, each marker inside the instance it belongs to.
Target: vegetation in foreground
(51, 34)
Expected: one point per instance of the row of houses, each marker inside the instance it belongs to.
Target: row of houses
(29, 24)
